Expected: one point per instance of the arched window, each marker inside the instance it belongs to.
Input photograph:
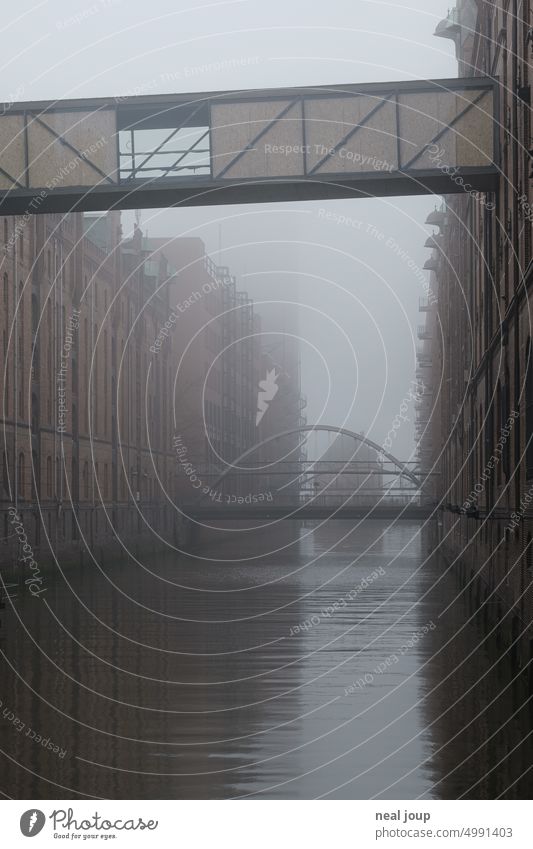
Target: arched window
(529, 410)
(22, 476)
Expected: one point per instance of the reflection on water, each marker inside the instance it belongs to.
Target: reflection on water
(343, 666)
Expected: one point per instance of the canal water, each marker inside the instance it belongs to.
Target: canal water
(345, 665)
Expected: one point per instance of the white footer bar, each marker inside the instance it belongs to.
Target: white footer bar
(265, 824)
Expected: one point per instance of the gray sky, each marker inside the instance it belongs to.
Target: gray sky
(359, 300)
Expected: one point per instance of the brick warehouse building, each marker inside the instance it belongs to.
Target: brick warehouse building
(479, 361)
(89, 396)
(219, 361)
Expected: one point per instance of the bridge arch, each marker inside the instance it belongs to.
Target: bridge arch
(358, 437)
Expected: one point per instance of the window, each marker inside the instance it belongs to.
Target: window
(34, 314)
(49, 477)
(86, 480)
(481, 426)
(34, 413)
(35, 475)
(529, 410)
(105, 383)
(5, 472)
(94, 383)
(86, 359)
(506, 413)
(22, 476)
(499, 411)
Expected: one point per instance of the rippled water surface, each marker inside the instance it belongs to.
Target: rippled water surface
(343, 666)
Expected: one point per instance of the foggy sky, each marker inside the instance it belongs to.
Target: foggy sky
(359, 300)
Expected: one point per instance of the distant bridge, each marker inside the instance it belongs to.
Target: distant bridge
(313, 489)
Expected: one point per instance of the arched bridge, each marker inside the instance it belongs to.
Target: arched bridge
(366, 482)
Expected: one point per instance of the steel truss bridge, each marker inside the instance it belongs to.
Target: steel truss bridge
(385, 488)
(379, 139)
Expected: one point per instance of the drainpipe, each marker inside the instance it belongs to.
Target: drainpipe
(15, 365)
(516, 178)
